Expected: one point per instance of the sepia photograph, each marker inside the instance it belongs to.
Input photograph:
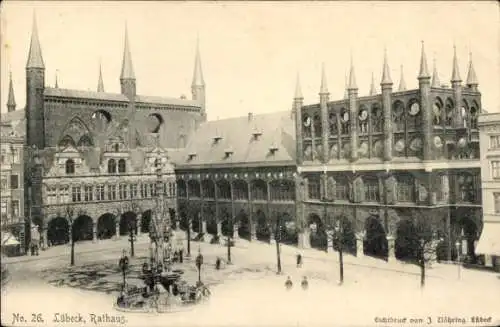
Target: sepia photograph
(250, 163)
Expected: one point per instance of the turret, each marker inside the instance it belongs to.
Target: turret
(386, 86)
(456, 84)
(373, 90)
(435, 76)
(127, 77)
(56, 84)
(472, 82)
(11, 102)
(323, 102)
(352, 92)
(198, 84)
(424, 84)
(100, 83)
(402, 82)
(35, 85)
(298, 101)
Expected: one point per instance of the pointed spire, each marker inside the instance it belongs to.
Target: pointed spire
(11, 102)
(386, 74)
(56, 85)
(35, 59)
(324, 86)
(298, 89)
(471, 74)
(352, 78)
(402, 83)
(435, 76)
(346, 94)
(198, 72)
(127, 67)
(455, 75)
(100, 83)
(373, 91)
(424, 71)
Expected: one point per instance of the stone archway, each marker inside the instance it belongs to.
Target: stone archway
(106, 227)
(318, 238)
(58, 231)
(146, 221)
(406, 244)
(263, 231)
(243, 225)
(470, 232)
(128, 220)
(82, 228)
(375, 242)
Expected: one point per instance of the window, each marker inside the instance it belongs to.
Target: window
(15, 156)
(116, 147)
(494, 141)
(133, 191)
(122, 191)
(4, 209)
(111, 166)
(15, 208)
(314, 188)
(171, 189)
(111, 192)
(143, 190)
(14, 182)
(405, 189)
(88, 193)
(282, 190)
(4, 183)
(64, 194)
(496, 197)
(341, 189)
(99, 192)
(152, 189)
(122, 166)
(371, 190)
(495, 169)
(466, 185)
(259, 190)
(76, 192)
(70, 167)
(51, 195)
(4, 156)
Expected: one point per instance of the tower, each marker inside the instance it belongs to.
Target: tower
(127, 77)
(100, 83)
(11, 102)
(323, 102)
(456, 85)
(352, 93)
(35, 85)
(402, 82)
(386, 86)
(424, 84)
(472, 82)
(198, 84)
(298, 101)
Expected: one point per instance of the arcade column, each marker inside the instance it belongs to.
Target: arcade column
(391, 254)
(360, 237)
(329, 241)
(94, 232)
(236, 235)
(70, 233)
(117, 229)
(139, 224)
(272, 238)
(44, 236)
(253, 230)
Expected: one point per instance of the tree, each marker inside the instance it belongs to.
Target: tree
(69, 212)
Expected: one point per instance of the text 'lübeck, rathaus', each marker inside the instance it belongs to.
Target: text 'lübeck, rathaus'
(378, 163)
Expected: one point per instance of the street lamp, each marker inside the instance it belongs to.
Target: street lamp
(229, 240)
(339, 230)
(123, 264)
(277, 236)
(132, 238)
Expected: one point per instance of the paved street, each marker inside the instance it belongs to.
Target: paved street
(249, 292)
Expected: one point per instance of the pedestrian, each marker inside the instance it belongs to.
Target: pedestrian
(288, 283)
(299, 260)
(304, 283)
(217, 263)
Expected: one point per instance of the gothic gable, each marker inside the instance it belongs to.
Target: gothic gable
(76, 133)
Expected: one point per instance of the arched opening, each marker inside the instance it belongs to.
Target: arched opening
(306, 120)
(211, 220)
(154, 122)
(376, 119)
(122, 166)
(224, 189)
(398, 115)
(449, 106)
(259, 190)
(318, 237)
(70, 166)
(318, 128)
(437, 109)
(181, 188)
(111, 166)
(128, 221)
(58, 231)
(85, 140)
(67, 141)
(106, 227)
(406, 243)
(414, 115)
(243, 225)
(196, 220)
(470, 235)
(348, 236)
(184, 218)
(208, 189)
(363, 117)
(146, 221)
(193, 188)
(101, 120)
(226, 223)
(289, 234)
(375, 243)
(240, 190)
(263, 231)
(82, 228)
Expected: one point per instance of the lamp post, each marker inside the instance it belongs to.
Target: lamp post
(132, 238)
(457, 245)
(123, 264)
(229, 240)
(277, 236)
(199, 263)
(339, 229)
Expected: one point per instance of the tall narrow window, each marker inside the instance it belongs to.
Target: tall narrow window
(122, 166)
(15, 208)
(76, 192)
(371, 189)
(133, 191)
(99, 193)
(14, 182)
(70, 167)
(88, 195)
(112, 166)
(314, 189)
(405, 188)
(111, 192)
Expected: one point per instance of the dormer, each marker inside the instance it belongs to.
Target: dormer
(256, 133)
(192, 156)
(217, 138)
(273, 148)
(229, 152)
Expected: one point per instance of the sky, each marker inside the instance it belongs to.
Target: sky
(251, 51)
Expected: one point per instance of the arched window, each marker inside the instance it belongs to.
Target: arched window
(318, 128)
(473, 118)
(116, 147)
(111, 166)
(70, 166)
(122, 166)
(449, 112)
(307, 126)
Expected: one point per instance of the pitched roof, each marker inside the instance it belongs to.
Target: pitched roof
(237, 135)
(81, 94)
(166, 100)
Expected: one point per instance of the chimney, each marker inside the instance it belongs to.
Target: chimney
(250, 116)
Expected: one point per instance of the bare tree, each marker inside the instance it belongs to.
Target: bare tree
(69, 213)
(425, 242)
